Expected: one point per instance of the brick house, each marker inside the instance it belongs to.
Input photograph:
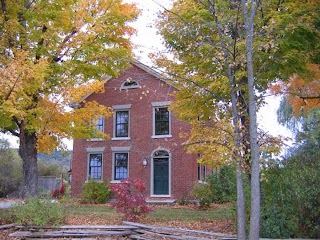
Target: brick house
(145, 139)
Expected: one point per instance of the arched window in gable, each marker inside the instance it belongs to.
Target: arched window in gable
(129, 83)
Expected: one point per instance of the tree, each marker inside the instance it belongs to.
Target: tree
(302, 93)
(52, 55)
(214, 63)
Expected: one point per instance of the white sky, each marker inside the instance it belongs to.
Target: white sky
(147, 41)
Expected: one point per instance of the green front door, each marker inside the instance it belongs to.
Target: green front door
(161, 176)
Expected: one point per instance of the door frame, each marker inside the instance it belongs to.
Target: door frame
(152, 174)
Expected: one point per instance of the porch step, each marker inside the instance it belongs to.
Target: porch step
(159, 201)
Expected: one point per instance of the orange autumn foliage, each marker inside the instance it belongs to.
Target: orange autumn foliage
(303, 93)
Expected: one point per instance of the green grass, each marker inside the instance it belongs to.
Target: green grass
(186, 214)
(91, 210)
(161, 214)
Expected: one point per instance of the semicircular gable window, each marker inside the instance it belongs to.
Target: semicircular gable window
(129, 83)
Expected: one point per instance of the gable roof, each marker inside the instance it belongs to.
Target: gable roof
(148, 70)
(141, 66)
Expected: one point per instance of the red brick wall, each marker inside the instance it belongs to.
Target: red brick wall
(183, 165)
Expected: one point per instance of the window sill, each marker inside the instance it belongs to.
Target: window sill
(120, 138)
(115, 181)
(96, 139)
(131, 87)
(160, 196)
(202, 182)
(96, 180)
(161, 136)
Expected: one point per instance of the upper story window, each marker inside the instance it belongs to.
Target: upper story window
(161, 120)
(98, 129)
(121, 122)
(129, 83)
(100, 125)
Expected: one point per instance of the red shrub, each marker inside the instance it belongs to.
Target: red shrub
(129, 199)
(59, 192)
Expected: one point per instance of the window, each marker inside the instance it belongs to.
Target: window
(129, 83)
(122, 124)
(120, 166)
(98, 129)
(161, 120)
(95, 166)
(202, 173)
(99, 124)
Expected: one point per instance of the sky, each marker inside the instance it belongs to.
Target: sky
(146, 41)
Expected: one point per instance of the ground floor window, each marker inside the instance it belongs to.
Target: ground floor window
(95, 166)
(202, 172)
(120, 166)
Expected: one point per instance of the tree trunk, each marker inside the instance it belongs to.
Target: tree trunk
(255, 168)
(28, 153)
(241, 214)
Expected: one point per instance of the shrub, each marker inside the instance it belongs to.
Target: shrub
(203, 193)
(223, 185)
(129, 199)
(183, 201)
(59, 192)
(39, 212)
(290, 200)
(95, 192)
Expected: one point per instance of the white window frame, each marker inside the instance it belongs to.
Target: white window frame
(118, 108)
(155, 105)
(90, 151)
(119, 150)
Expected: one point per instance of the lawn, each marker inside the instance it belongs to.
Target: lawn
(219, 218)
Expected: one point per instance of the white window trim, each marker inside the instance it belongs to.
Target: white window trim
(117, 108)
(119, 150)
(95, 150)
(121, 107)
(160, 105)
(88, 163)
(152, 175)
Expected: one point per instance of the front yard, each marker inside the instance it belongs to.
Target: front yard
(219, 218)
